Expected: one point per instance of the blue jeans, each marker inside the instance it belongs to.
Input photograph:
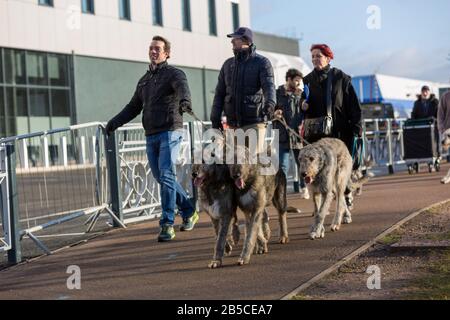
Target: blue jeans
(162, 154)
(284, 160)
(284, 156)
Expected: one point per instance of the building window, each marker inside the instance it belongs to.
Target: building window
(87, 6)
(37, 68)
(46, 3)
(1, 68)
(60, 103)
(212, 17)
(2, 114)
(186, 13)
(157, 13)
(124, 9)
(36, 93)
(57, 70)
(235, 10)
(14, 66)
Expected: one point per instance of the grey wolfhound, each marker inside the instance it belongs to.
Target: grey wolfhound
(327, 167)
(254, 193)
(216, 197)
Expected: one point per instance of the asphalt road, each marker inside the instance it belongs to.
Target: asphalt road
(130, 264)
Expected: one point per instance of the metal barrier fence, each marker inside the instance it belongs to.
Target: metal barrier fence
(54, 178)
(384, 142)
(50, 180)
(5, 228)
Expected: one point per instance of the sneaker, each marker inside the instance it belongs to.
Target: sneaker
(167, 233)
(188, 224)
(304, 194)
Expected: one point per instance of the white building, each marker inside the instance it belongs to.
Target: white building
(67, 61)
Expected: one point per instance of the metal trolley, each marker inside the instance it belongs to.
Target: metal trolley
(421, 145)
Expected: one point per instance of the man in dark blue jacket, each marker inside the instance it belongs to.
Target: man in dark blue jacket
(426, 105)
(163, 95)
(245, 92)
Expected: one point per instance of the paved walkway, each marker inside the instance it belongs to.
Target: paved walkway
(130, 264)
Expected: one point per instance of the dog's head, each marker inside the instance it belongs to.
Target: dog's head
(200, 173)
(358, 179)
(310, 163)
(446, 140)
(210, 173)
(242, 168)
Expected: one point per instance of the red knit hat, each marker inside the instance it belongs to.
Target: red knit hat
(326, 51)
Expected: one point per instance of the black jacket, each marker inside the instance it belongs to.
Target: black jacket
(245, 91)
(346, 110)
(290, 104)
(159, 94)
(420, 111)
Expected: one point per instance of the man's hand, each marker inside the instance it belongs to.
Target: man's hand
(185, 107)
(278, 114)
(217, 125)
(110, 127)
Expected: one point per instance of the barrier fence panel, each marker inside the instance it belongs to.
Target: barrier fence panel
(67, 180)
(5, 228)
(59, 177)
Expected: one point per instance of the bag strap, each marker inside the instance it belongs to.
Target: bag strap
(329, 93)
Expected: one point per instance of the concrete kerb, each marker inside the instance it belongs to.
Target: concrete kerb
(359, 251)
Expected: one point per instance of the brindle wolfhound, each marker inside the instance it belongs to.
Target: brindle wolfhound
(254, 192)
(216, 197)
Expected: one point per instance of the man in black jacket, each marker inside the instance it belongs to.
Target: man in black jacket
(163, 95)
(426, 105)
(245, 91)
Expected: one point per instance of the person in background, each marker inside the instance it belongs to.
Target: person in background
(426, 105)
(443, 117)
(289, 107)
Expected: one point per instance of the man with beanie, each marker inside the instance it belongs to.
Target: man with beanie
(245, 92)
(426, 105)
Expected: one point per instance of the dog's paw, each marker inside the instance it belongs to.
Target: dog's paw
(347, 220)
(215, 264)
(317, 232)
(261, 249)
(322, 232)
(314, 236)
(335, 227)
(242, 261)
(283, 240)
(445, 180)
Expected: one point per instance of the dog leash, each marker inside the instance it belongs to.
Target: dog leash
(291, 131)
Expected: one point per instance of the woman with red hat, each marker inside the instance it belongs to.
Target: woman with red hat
(329, 93)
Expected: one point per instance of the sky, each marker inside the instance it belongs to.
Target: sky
(406, 38)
